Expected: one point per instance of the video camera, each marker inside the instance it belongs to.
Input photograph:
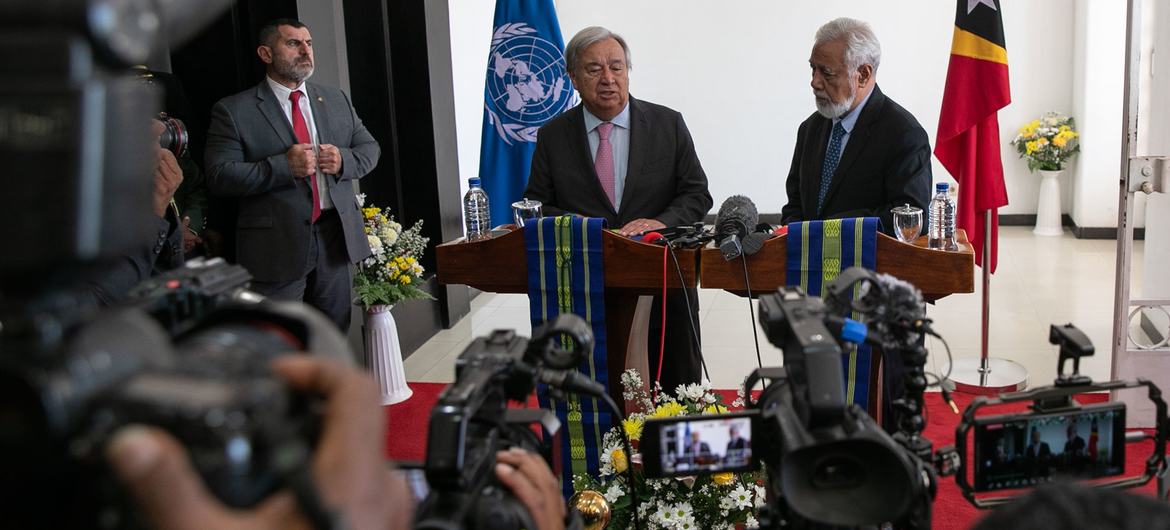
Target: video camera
(472, 421)
(190, 354)
(1059, 439)
(827, 461)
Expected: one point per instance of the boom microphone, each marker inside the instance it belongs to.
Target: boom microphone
(735, 228)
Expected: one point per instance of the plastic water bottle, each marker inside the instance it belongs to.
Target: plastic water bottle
(477, 216)
(941, 233)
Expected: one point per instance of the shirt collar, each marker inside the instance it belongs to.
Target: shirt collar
(621, 120)
(851, 119)
(282, 92)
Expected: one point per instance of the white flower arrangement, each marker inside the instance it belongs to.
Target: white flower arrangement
(714, 501)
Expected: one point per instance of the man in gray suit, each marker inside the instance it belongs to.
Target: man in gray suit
(290, 151)
(631, 162)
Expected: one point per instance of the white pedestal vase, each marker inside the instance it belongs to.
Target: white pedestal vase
(1048, 206)
(384, 354)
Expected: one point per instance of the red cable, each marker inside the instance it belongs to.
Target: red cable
(662, 336)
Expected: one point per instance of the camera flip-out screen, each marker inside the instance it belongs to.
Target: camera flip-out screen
(690, 445)
(1022, 451)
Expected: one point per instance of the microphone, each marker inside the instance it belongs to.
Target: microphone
(735, 228)
(654, 238)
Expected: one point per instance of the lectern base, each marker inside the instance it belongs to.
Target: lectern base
(1001, 375)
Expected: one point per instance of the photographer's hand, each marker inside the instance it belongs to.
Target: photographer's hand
(351, 475)
(167, 177)
(533, 483)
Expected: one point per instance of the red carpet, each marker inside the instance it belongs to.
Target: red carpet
(407, 431)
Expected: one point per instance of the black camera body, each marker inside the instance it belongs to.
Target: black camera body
(827, 461)
(69, 381)
(1059, 438)
(472, 421)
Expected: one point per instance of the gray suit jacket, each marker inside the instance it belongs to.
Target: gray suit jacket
(246, 146)
(664, 179)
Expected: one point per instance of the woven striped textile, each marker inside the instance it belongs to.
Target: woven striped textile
(817, 253)
(566, 275)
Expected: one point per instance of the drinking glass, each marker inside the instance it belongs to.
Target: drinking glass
(525, 210)
(907, 223)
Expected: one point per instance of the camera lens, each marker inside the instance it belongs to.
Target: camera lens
(174, 137)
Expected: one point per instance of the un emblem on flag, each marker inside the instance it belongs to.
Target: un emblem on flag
(527, 83)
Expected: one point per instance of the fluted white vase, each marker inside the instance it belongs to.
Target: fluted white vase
(1048, 205)
(384, 354)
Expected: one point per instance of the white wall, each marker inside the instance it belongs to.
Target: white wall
(738, 72)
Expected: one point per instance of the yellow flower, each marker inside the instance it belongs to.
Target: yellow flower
(668, 409)
(369, 213)
(404, 279)
(1029, 130)
(633, 428)
(618, 457)
(723, 479)
(715, 409)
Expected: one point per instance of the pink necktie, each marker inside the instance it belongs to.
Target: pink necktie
(301, 130)
(604, 162)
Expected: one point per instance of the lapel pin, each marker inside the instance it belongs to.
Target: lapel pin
(320, 99)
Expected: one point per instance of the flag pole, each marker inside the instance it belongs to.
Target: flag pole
(989, 375)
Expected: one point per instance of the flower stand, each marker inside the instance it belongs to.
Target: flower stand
(384, 354)
(1048, 207)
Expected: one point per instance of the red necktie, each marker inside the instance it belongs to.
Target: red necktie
(301, 130)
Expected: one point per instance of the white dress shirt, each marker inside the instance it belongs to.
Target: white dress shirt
(282, 96)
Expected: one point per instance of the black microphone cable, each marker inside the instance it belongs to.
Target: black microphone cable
(751, 310)
(690, 314)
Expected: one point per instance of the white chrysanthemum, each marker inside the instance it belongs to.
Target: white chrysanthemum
(761, 496)
(389, 235)
(692, 392)
(375, 245)
(685, 523)
(370, 261)
(727, 503)
(664, 515)
(741, 496)
(361, 199)
(751, 522)
(613, 493)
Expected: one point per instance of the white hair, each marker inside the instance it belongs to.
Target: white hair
(588, 37)
(861, 45)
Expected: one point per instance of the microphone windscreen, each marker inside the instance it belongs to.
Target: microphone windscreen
(737, 216)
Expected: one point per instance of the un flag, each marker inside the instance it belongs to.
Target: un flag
(527, 84)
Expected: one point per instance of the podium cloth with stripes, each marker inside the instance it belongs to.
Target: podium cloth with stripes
(566, 275)
(817, 253)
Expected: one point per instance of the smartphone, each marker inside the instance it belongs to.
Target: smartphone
(703, 443)
(1020, 451)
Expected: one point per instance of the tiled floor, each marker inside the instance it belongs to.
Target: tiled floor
(1040, 281)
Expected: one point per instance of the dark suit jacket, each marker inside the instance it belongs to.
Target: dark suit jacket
(246, 147)
(886, 163)
(664, 179)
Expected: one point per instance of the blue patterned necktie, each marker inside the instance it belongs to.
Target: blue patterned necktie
(832, 157)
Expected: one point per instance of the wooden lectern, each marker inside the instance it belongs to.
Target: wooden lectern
(632, 269)
(935, 273)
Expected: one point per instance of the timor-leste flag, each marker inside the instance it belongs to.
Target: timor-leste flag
(968, 128)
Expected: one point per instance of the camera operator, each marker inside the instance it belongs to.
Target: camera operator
(349, 470)
(164, 250)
